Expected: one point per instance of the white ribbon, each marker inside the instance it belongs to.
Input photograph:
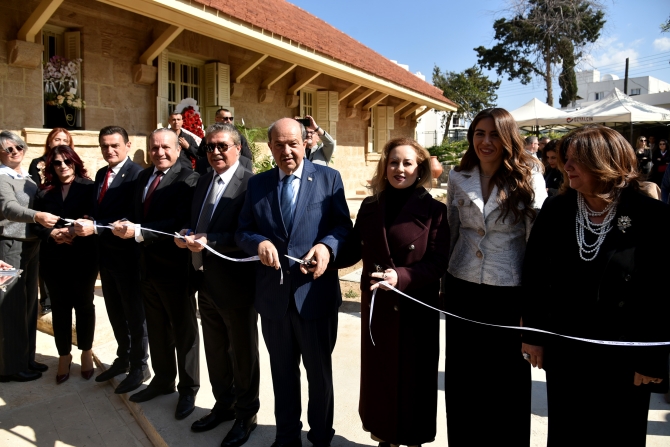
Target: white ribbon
(523, 328)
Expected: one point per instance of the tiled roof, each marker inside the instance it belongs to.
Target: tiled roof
(296, 24)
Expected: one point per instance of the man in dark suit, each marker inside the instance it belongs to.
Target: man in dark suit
(224, 116)
(297, 209)
(118, 259)
(226, 288)
(162, 200)
(188, 146)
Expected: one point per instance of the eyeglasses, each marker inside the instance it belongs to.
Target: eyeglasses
(227, 118)
(222, 147)
(58, 163)
(10, 149)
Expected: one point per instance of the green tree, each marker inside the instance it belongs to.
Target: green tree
(529, 43)
(665, 26)
(567, 80)
(470, 89)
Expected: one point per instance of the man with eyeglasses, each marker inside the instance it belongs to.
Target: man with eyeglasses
(226, 289)
(320, 145)
(224, 116)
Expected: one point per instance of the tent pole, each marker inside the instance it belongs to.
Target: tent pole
(631, 134)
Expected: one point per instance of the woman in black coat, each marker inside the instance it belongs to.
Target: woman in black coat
(69, 193)
(553, 177)
(402, 235)
(603, 288)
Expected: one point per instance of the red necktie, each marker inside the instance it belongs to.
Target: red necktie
(150, 192)
(105, 185)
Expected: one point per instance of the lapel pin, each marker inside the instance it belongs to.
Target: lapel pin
(123, 175)
(309, 179)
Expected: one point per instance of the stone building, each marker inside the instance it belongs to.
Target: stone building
(262, 60)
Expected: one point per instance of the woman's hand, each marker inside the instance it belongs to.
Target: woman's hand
(536, 354)
(5, 266)
(639, 379)
(47, 220)
(388, 275)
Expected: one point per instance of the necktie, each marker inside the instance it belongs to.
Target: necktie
(286, 202)
(105, 185)
(150, 192)
(206, 217)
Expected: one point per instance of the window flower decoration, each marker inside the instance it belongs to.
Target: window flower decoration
(60, 83)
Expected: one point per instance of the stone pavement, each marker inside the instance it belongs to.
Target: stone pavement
(40, 413)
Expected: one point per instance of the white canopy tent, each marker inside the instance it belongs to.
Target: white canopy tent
(616, 108)
(536, 113)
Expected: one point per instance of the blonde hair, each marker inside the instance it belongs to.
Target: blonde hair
(379, 181)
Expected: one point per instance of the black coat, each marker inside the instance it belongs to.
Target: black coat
(188, 154)
(169, 210)
(553, 177)
(626, 302)
(660, 162)
(34, 170)
(230, 284)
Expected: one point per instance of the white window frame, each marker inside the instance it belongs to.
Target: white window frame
(599, 95)
(307, 102)
(175, 85)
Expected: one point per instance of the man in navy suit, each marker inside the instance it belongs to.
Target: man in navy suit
(297, 209)
(119, 267)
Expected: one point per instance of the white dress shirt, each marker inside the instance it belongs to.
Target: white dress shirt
(226, 177)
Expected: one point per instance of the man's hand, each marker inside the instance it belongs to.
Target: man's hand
(181, 243)
(124, 229)
(312, 124)
(84, 227)
(536, 354)
(639, 379)
(47, 220)
(196, 242)
(183, 143)
(268, 254)
(320, 257)
(62, 235)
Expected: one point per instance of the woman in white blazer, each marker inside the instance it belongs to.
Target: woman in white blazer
(492, 200)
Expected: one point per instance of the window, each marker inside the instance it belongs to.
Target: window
(456, 121)
(307, 102)
(599, 96)
(635, 91)
(184, 81)
(52, 39)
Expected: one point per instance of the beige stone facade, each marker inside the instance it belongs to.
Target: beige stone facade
(113, 40)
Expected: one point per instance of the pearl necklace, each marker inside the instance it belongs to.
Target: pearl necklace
(600, 230)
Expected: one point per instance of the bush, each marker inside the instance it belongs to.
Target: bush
(450, 153)
(260, 161)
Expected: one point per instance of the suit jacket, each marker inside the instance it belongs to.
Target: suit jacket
(321, 216)
(116, 204)
(77, 204)
(187, 153)
(230, 284)
(168, 212)
(620, 300)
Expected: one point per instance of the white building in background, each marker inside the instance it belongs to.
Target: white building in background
(592, 87)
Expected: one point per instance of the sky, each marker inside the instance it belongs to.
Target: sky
(425, 33)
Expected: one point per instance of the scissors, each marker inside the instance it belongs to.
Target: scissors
(300, 261)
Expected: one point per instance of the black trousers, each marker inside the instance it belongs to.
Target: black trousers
(484, 363)
(288, 339)
(169, 307)
(18, 307)
(125, 309)
(231, 348)
(75, 291)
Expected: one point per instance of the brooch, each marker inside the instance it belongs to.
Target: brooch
(623, 223)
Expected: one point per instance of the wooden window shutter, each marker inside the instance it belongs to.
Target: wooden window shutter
(333, 106)
(210, 85)
(321, 107)
(72, 44)
(163, 88)
(370, 140)
(381, 127)
(223, 84)
(332, 129)
(390, 118)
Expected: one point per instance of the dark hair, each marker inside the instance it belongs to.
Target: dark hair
(549, 147)
(51, 179)
(514, 176)
(174, 112)
(379, 181)
(224, 128)
(663, 141)
(55, 131)
(111, 130)
(606, 154)
(221, 110)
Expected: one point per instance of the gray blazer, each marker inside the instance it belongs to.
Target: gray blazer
(16, 201)
(322, 154)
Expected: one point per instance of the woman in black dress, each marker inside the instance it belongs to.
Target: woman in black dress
(70, 194)
(604, 287)
(643, 154)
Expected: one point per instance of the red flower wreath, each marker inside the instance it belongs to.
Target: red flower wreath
(192, 121)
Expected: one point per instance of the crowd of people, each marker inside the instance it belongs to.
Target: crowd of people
(560, 246)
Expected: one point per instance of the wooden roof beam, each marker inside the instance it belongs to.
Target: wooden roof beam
(422, 113)
(411, 110)
(375, 100)
(399, 107)
(156, 48)
(38, 19)
(245, 69)
(302, 82)
(360, 98)
(277, 75)
(348, 91)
